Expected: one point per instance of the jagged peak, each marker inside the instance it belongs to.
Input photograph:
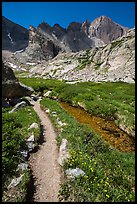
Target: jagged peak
(101, 19)
(44, 25)
(56, 25)
(74, 26)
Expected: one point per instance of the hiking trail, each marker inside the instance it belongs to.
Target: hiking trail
(43, 163)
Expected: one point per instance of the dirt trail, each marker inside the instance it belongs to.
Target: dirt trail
(46, 170)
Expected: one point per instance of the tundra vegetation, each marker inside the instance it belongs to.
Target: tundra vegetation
(109, 173)
(14, 134)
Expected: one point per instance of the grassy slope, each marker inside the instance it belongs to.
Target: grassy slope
(109, 174)
(107, 99)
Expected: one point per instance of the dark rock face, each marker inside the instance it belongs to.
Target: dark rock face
(10, 85)
(105, 29)
(14, 36)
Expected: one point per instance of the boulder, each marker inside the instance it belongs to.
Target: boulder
(72, 173)
(11, 87)
(18, 106)
(5, 103)
(33, 126)
(22, 166)
(63, 152)
(15, 181)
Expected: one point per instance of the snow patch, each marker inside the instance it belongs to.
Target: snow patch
(9, 36)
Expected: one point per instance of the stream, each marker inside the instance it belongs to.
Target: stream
(106, 128)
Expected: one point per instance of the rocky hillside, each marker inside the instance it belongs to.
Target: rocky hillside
(14, 36)
(45, 42)
(112, 62)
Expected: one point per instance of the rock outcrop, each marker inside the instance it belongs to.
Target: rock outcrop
(11, 86)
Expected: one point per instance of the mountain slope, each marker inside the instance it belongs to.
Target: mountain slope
(113, 62)
(14, 36)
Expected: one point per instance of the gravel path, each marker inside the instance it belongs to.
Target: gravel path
(44, 165)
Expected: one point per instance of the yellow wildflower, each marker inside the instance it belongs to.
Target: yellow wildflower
(106, 183)
(107, 195)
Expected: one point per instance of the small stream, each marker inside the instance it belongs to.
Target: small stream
(106, 128)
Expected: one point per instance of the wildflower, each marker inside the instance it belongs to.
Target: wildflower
(106, 183)
(107, 196)
(101, 181)
(105, 190)
(91, 169)
(89, 189)
(70, 164)
(95, 178)
(94, 162)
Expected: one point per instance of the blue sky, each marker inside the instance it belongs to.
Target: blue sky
(63, 13)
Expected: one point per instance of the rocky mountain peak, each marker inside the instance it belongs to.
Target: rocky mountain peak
(74, 26)
(57, 26)
(106, 29)
(44, 26)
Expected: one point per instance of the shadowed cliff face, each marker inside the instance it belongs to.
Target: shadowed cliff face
(14, 36)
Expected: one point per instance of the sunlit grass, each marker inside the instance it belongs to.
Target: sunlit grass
(109, 173)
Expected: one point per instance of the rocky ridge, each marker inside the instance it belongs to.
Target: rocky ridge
(45, 42)
(112, 62)
(100, 56)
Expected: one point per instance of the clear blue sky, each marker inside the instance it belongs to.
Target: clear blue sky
(63, 13)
